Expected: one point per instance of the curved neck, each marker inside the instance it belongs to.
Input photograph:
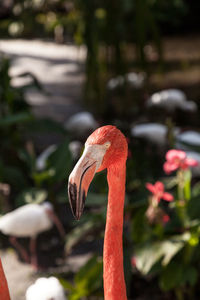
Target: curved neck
(4, 292)
(114, 283)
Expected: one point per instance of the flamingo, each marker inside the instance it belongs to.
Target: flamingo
(105, 148)
(4, 292)
(28, 221)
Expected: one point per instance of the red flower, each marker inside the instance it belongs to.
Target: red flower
(158, 191)
(177, 159)
(165, 219)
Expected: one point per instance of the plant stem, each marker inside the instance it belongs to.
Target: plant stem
(179, 294)
(181, 199)
(180, 185)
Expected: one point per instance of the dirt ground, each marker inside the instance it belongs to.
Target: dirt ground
(58, 68)
(19, 275)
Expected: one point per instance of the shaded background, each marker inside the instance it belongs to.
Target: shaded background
(104, 58)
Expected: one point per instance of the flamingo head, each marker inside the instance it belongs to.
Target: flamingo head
(105, 147)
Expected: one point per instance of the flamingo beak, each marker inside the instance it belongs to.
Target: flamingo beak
(81, 177)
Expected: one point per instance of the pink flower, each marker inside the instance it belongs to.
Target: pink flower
(165, 219)
(133, 261)
(158, 191)
(177, 159)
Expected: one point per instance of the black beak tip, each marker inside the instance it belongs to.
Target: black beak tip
(77, 208)
(77, 217)
(77, 214)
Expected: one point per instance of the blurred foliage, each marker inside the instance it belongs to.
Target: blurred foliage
(118, 35)
(113, 33)
(170, 250)
(18, 154)
(87, 281)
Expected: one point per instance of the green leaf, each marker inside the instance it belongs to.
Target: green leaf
(66, 284)
(151, 253)
(171, 276)
(32, 195)
(82, 230)
(16, 118)
(86, 268)
(193, 208)
(89, 278)
(196, 190)
(76, 234)
(13, 176)
(27, 157)
(41, 177)
(140, 228)
(170, 250)
(170, 182)
(190, 275)
(147, 256)
(46, 125)
(177, 274)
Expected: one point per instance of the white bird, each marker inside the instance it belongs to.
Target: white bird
(153, 132)
(81, 124)
(75, 148)
(189, 137)
(134, 80)
(190, 106)
(170, 100)
(46, 289)
(115, 83)
(28, 221)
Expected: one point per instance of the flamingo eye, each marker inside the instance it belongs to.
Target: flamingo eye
(107, 145)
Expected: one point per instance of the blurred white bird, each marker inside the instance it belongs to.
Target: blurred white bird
(42, 158)
(75, 148)
(170, 100)
(115, 83)
(46, 289)
(134, 80)
(28, 221)
(81, 124)
(153, 132)
(189, 137)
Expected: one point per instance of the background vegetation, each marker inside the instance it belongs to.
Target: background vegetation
(121, 37)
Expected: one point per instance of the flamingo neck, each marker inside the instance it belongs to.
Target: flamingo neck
(4, 292)
(114, 283)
